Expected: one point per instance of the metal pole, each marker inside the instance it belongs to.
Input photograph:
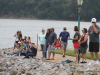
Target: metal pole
(37, 41)
(79, 7)
(79, 22)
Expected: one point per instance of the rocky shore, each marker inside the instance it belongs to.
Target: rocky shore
(16, 65)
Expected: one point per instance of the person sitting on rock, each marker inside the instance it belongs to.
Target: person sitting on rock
(32, 52)
(16, 51)
(23, 51)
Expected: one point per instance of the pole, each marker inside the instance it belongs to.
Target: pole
(79, 22)
(79, 6)
(37, 41)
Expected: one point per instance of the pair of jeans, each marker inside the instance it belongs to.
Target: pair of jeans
(14, 52)
(43, 50)
(45, 53)
(29, 54)
(22, 53)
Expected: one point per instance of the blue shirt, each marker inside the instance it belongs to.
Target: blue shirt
(25, 46)
(64, 36)
(52, 37)
(42, 38)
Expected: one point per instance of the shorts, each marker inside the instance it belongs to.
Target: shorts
(94, 46)
(16, 41)
(76, 45)
(51, 48)
(63, 44)
(83, 50)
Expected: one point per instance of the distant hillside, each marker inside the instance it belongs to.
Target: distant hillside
(49, 9)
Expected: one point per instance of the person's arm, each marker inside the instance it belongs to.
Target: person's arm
(95, 29)
(58, 38)
(76, 38)
(68, 35)
(54, 42)
(55, 38)
(15, 35)
(85, 39)
(34, 46)
(45, 42)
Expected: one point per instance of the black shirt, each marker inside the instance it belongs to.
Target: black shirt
(76, 34)
(34, 51)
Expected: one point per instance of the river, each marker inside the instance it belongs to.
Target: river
(8, 27)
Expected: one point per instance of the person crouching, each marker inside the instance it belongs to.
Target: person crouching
(32, 51)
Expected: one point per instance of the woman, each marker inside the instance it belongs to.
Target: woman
(42, 42)
(75, 42)
(20, 36)
(46, 42)
(83, 45)
(29, 41)
(16, 40)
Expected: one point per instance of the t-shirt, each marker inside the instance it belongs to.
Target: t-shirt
(76, 34)
(21, 47)
(20, 35)
(25, 41)
(25, 46)
(34, 51)
(64, 36)
(47, 40)
(42, 38)
(93, 37)
(52, 37)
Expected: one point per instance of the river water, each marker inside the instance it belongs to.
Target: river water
(8, 28)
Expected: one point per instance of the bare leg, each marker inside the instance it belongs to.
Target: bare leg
(49, 54)
(92, 55)
(96, 54)
(82, 56)
(63, 51)
(76, 54)
(53, 55)
(85, 57)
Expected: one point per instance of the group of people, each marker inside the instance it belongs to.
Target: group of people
(23, 46)
(48, 42)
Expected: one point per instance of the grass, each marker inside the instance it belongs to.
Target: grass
(71, 53)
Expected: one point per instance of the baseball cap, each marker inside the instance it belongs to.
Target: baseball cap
(64, 28)
(93, 20)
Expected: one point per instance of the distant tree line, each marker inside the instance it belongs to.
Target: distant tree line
(50, 9)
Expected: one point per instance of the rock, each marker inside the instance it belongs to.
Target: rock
(22, 71)
(28, 74)
(2, 73)
(13, 73)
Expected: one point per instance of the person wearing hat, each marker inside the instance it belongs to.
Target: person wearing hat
(64, 38)
(52, 42)
(93, 33)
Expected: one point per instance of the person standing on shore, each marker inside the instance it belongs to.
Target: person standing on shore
(52, 42)
(75, 42)
(47, 42)
(16, 40)
(20, 36)
(83, 44)
(64, 38)
(42, 42)
(93, 33)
